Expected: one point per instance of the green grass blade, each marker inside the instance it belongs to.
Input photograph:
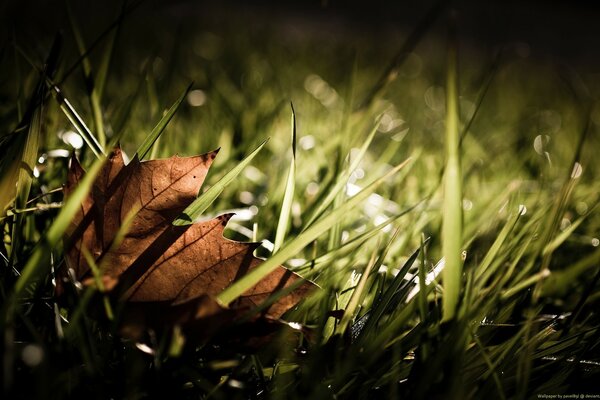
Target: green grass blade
(564, 235)
(452, 208)
(93, 96)
(37, 263)
(197, 208)
(356, 296)
(145, 147)
(351, 244)
(391, 72)
(78, 123)
(482, 274)
(386, 300)
(106, 59)
(344, 176)
(288, 197)
(296, 245)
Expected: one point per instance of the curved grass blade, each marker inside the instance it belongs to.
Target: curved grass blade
(197, 208)
(294, 246)
(452, 208)
(77, 122)
(92, 89)
(37, 262)
(344, 176)
(145, 147)
(68, 110)
(288, 197)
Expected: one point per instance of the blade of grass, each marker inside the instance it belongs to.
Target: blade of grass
(129, 9)
(288, 197)
(69, 111)
(145, 147)
(386, 301)
(452, 208)
(27, 146)
(198, 206)
(564, 235)
(357, 294)
(391, 72)
(344, 176)
(78, 123)
(38, 260)
(299, 242)
(482, 274)
(92, 90)
(352, 243)
(106, 59)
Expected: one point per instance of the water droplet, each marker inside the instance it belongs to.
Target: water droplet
(307, 142)
(539, 144)
(32, 355)
(577, 171)
(595, 242)
(246, 197)
(467, 204)
(581, 207)
(312, 188)
(522, 209)
(196, 98)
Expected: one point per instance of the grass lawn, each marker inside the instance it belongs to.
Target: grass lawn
(439, 191)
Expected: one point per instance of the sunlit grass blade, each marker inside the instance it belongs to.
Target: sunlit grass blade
(288, 197)
(483, 269)
(69, 112)
(354, 242)
(92, 89)
(356, 296)
(96, 273)
(78, 122)
(145, 147)
(98, 268)
(295, 245)
(559, 281)
(37, 262)
(565, 234)
(452, 208)
(201, 204)
(385, 302)
(342, 179)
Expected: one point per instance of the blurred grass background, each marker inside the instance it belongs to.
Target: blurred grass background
(527, 93)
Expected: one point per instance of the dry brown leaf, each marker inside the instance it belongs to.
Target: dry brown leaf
(159, 268)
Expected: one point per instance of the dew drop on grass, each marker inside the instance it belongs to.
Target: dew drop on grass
(32, 355)
(577, 170)
(307, 142)
(595, 242)
(539, 144)
(435, 98)
(246, 197)
(234, 383)
(72, 138)
(467, 204)
(196, 98)
(581, 207)
(522, 209)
